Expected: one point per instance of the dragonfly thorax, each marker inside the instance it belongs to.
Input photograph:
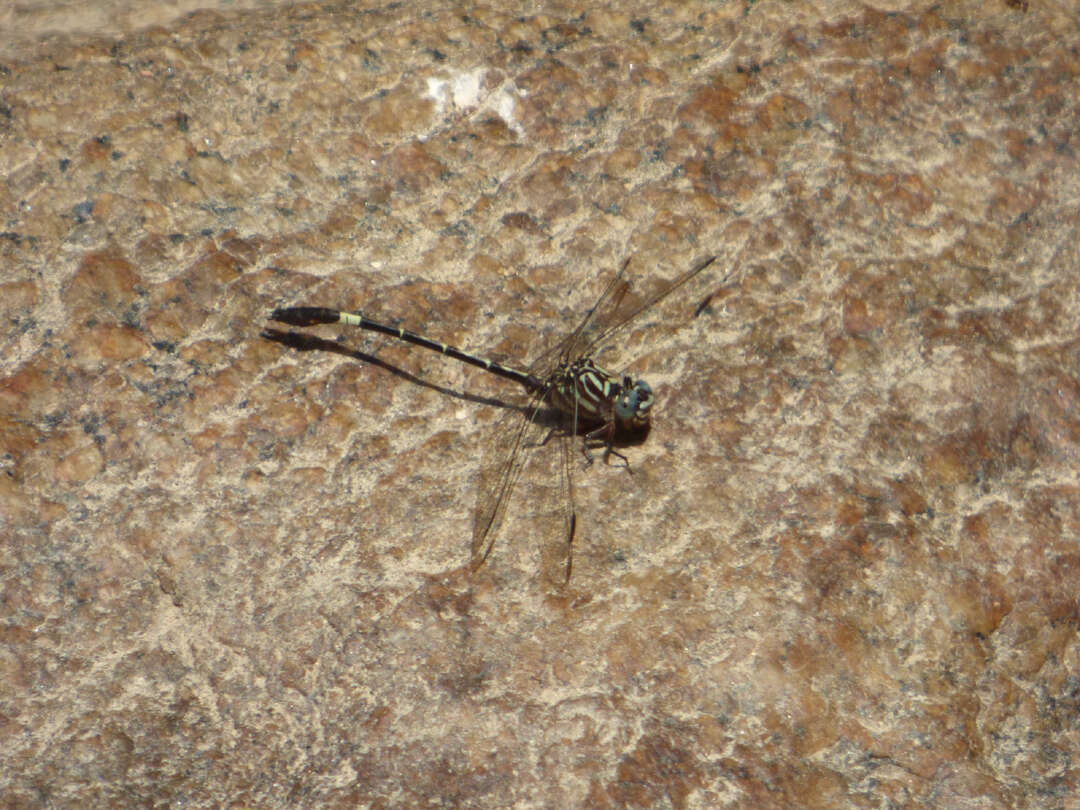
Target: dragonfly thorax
(595, 396)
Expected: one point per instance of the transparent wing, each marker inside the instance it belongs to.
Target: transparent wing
(598, 318)
(563, 350)
(614, 310)
(507, 454)
(624, 308)
(504, 458)
(569, 509)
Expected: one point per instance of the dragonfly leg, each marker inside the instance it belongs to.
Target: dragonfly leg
(611, 451)
(546, 438)
(605, 431)
(605, 437)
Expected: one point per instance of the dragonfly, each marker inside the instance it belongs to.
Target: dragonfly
(606, 409)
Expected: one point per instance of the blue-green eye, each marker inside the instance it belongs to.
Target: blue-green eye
(633, 403)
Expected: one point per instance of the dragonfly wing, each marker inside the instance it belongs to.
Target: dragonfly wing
(504, 458)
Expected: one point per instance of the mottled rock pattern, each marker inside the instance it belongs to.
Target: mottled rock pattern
(844, 571)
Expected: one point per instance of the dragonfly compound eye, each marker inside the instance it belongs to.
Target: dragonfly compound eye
(632, 406)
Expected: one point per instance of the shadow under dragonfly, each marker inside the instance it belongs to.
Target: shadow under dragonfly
(547, 416)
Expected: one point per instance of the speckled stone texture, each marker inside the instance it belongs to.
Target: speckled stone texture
(844, 571)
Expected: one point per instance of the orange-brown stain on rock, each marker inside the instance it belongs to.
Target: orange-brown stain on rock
(105, 284)
(661, 769)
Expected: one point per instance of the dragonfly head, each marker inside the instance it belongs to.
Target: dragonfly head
(633, 404)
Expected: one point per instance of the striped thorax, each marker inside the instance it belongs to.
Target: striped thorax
(598, 397)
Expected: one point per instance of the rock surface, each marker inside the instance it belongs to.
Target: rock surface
(844, 571)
